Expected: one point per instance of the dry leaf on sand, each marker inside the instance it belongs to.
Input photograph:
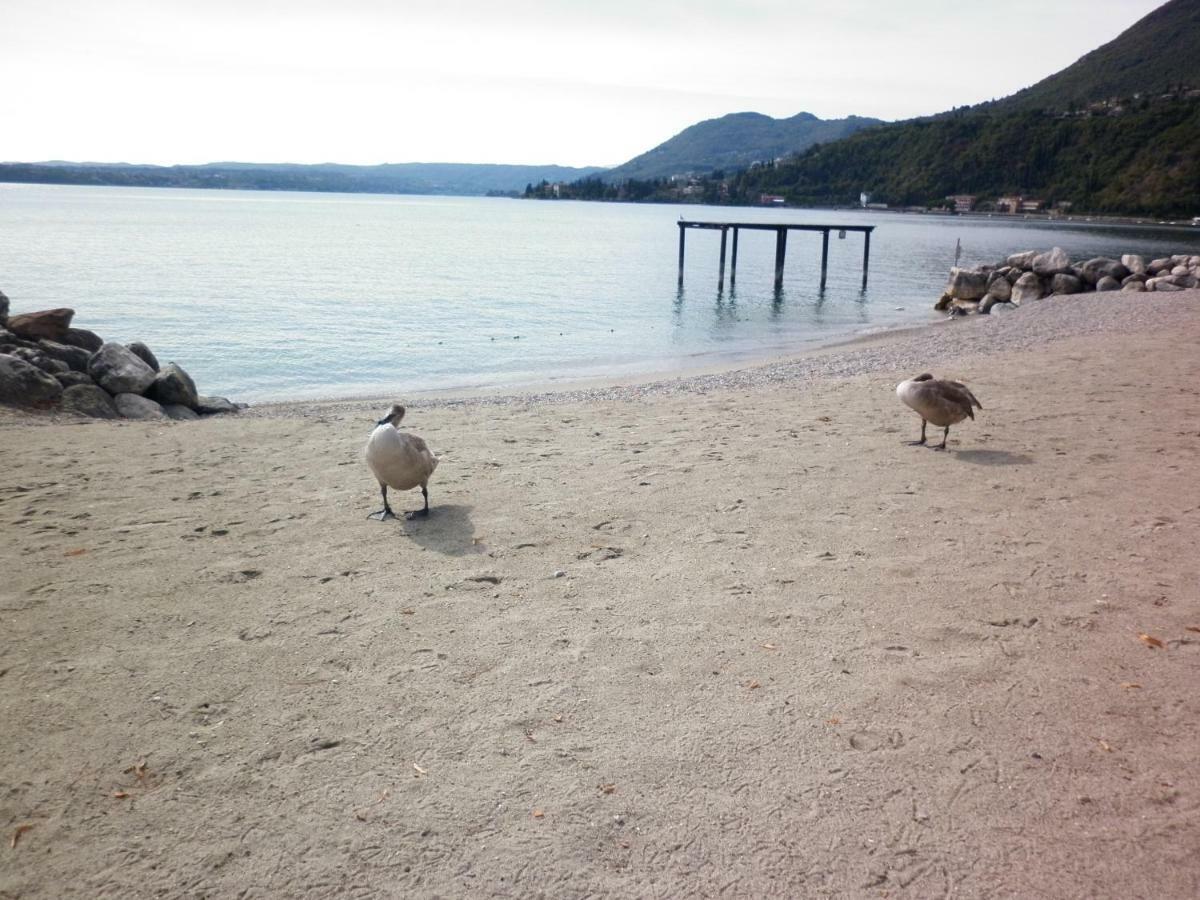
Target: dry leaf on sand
(1151, 641)
(16, 835)
(538, 814)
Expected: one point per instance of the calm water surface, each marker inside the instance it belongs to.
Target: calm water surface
(263, 295)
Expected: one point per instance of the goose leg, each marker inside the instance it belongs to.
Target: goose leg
(420, 513)
(922, 440)
(386, 513)
(945, 434)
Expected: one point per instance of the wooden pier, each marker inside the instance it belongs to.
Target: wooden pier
(781, 233)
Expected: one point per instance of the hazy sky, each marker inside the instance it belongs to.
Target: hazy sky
(511, 81)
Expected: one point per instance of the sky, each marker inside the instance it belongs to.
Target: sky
(496, 81)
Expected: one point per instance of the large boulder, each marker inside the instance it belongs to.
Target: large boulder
(1158, 265)
(145, 354)
(24, 384)
(1186, 281)
(1108, 283)
(212, 405)
(47, 323)
(1052, 262)
(1134, 263)
(1162, 284)
(135, 406)
(1023, 261)
(1065, 284)
(3, 308)
(1134, 286)
(999, 291)
(76, 358)
(1102, 267)
(36, 357)
(81, 337)
(1136, 276)
(966, 284)
(119, 371)
(1028, 287)
(89, 400)
(173, 385)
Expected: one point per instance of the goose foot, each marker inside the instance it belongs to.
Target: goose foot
(382, 514)
(920, 443)
(417, 514)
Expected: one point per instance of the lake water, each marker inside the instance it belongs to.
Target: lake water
(263, 295)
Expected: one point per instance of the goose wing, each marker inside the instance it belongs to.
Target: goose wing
(960, 395)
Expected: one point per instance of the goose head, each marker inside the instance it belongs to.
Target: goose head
(393, 417)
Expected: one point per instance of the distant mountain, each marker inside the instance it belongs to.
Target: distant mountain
(393, 178)
(734, 142)
(1158, 54)
(1117, 132)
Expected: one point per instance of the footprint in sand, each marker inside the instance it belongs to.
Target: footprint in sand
(876, 740)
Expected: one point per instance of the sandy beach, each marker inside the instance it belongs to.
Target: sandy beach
(726, 636)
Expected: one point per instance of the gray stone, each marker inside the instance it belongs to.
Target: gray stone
(1162, 284)
(966, 284)
(1180, 270)
(1100, 267)
(1023, 261)
(1185, 281)
(145, 354)
(69, 379)
(76, 358)
(1134, 263)
(119, 371)
(1108, 283)
(89, 400)
(1136, 276)
(1028, 287)
(212, 405)
(3, 308)
(23, 384)
(1134, 286)
(1158, 265)
(999, 290)
(81, 337)
(1052, 263)
(179, 412)
(36, 357)
(135, 406)
(1065, 284)
(173, 385)
(943, 302)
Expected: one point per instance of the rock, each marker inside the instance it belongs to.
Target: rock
(999, 290)
(8, 340)
(1065, 284)
(81, 337)
(1134, 286)
(963, 307)
(1134, 263)
(36, 357)
(967, 284)
(1162, 284)
(1185, 281)
(1022, 261)
(119, 371)
(89, 400)
(985, 307)
(69, 379)
(1108, 283)
(1052, 263)
(1101, 267)
(3, 308)
(135, 406)
(173, 385)
(1157, 265)
(1028, 287)
(76, 358)
(1180, 270)
(179, 412)
(24, 384)
(144, 353)
(48, 323)
(212, 405)
(943, 302)
(1136, 276)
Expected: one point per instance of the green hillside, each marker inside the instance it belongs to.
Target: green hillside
(1158, 54)
(735, 141)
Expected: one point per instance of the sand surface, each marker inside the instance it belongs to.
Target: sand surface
(727, 637)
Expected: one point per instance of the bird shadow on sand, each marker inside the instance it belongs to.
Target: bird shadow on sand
(447, 530)
(993, 457)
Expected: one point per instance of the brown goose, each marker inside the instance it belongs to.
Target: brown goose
(944, 403)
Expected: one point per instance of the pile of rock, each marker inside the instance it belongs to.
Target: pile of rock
(47, 364)
(1032, 275)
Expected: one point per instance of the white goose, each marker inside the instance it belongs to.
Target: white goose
(400, 461)
(944, 403)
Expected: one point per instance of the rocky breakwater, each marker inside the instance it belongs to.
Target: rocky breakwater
(1034, 274)
(47, 364)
